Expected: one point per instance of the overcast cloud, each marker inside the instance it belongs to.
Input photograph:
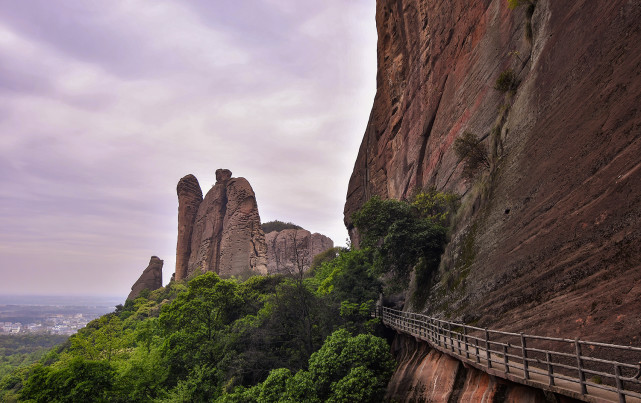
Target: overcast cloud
(105, 105)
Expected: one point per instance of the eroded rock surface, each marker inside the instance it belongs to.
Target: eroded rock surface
(427, 375)
(552, 235)
(189, 198)
(151, 278)
(291, 251)
(226, 236)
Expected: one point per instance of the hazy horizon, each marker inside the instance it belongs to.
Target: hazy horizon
(106, 105)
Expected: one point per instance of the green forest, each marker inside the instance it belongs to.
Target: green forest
(300, 338)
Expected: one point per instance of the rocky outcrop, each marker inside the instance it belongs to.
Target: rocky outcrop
(189, 198)
(242, 247)
(292, 250)
(548, 240)
(427, 375)
(225, 236)
(150, 279)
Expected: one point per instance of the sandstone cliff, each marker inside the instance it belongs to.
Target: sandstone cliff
(151, 278)
(427, 375)
(548, 242)
(291, 251)
(224, 233)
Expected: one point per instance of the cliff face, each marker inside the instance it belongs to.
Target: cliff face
(426, 375)
(222, 232)
(151, 278)
(292, 250)
(548, 242)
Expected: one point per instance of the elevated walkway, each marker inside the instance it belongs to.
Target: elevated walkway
(584, 370)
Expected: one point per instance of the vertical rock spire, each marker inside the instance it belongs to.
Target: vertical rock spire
(220, 232)
(189, 199)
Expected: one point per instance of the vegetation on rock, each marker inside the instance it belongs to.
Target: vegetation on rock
(277, 225)
(506, 82)
(269, 338)
(473, 153)
(398, 236)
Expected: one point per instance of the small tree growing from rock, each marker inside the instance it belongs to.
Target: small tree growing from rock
(473, 153)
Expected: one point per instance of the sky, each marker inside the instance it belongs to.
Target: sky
(105, 105)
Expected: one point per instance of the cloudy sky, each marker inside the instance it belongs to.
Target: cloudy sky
(105, 105)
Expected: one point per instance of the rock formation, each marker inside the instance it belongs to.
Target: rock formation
(553, 232)
(291, 250)
(189, 198)
(427, 375)
(151, 278)
(225, 235)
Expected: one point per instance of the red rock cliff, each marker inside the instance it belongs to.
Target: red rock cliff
(552, 235)
(427, 375)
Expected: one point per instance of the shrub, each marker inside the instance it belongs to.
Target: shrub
(276, 225)
(326, 256)
(436, 206)
(506, 82)
(397, 237)
(512, 4)
(473, 153)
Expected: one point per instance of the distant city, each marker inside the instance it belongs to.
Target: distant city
(51, 314)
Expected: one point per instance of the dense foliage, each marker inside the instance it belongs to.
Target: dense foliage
(276, 225)
(25, 349)
(218, 339)
(267, 339)
(398, 236)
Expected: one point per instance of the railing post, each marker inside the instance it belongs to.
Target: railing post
(507, 367)
(579, 362)
(487, 349)
(617, 375)
(526, 373)
(478, 355)
(433, 331)
(465, 340)
(548, 357)
(449, 329)
(458, 342)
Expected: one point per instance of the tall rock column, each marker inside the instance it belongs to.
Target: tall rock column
(189, 199)
(242, 246)
(227, 237)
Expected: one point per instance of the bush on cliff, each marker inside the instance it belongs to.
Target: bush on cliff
(396, 236)
(506, 82)
(473, 153)
(277, 225)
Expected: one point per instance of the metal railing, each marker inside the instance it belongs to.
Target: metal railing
(581, 369)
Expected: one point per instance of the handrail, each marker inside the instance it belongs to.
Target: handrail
(576, 368)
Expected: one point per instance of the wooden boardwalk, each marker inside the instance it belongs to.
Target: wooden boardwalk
(576, 368)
